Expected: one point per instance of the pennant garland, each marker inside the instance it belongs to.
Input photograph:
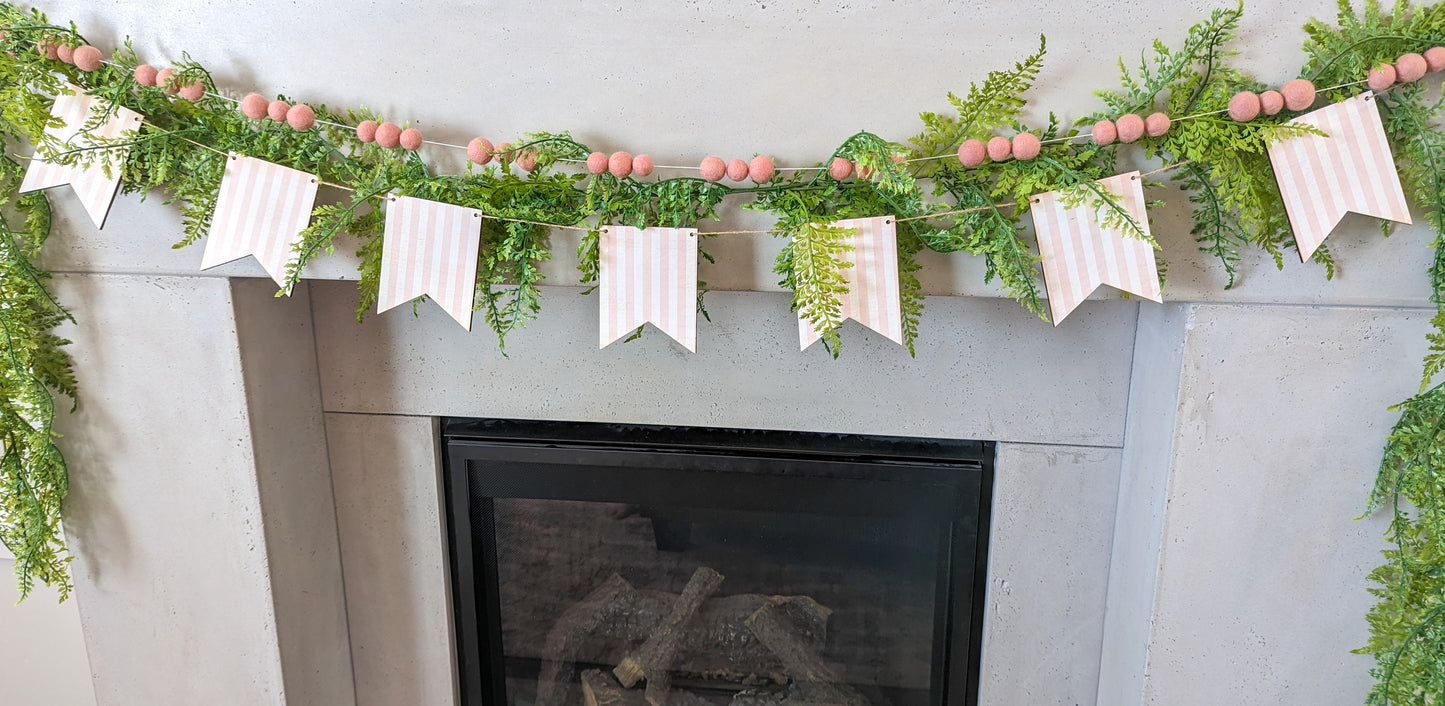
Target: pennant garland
(430, 248)
(1322, 178)
(96, 189)
(261, 210)
(872, 298)
(647, 276)
(1079, 254)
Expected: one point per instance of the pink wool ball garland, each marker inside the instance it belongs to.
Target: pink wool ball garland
(65, 54)
(193, 91)
(761, 170)
(1434, 59)
(713, 168)
(165, 80)
(145, 75)
(1381, 77)
(840, 168)
(301, 117)
(277, 110)
(1131, 128)
(1271, 102)
(254, 107)
(388, 135)
(366, 131)
(737, 170)
(1244, 106)
(597, 162)
(409, 139)
(972, 153)
(504, 153)
(999, 148)
(620, 164)
(642, 165)
(1410, 67)
(479, 150)
(1026, 146)
(527, 159)
(1157, 124)
(1299, 94)
(1104, 133)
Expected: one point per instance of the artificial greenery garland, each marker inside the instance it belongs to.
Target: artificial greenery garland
(1224, 169)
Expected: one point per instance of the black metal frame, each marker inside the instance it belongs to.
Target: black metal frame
(835, 474)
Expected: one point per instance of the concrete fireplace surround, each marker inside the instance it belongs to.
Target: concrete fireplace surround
(254, 504)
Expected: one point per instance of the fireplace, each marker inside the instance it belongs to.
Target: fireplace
(607, 564)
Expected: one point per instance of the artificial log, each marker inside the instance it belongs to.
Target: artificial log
(654, 660)
(615, 596)
(816, 682)
(600, 688)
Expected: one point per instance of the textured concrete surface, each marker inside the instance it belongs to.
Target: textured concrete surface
(42, 653)
(985, 370)
(1047, 573)
(163, 516)
(288, 436)
(393, 549)
(1261, 591)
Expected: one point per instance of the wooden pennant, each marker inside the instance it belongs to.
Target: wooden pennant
(1322, 178)
(430, 248)
(647, 276)
(872, 298)
(1079, 253)
(91, 183)
(261, 210)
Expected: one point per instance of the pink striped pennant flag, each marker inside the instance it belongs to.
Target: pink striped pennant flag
(872, 298)
(95, 188)
(261, 210)
(1080, 254)
(647, 275)
(1321, 178)
(430, 248)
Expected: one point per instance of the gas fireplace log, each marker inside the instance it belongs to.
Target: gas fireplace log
(657, 655)
(601, 689)
(815, 681)
(576, 624)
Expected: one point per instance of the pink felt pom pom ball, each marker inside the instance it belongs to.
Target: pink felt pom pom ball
(1381, 77)
(50, 48)
(165, 80)
(504, 153)
(761, 169)
(862, 171)
(1157, 124)
(1299, 94)
(277, 110)
(366, 131)
(65, 54)
(999, 148)
(620, 164)
(597, 162)
(1435, 59)
(1244, 106)
(300, 117)
(737, 170)
(1026, 146)
(1271, 102)
(1410, 67)
(642, 165)
(254, 107)
(410, 139)
(1104, 133)
(145, 75)
(972, 153)
(713, 168)
(1131, 127)
(527, 160)
(479, 150)
(840, 169)
(193, 91)
(87, 58)
(388, 135)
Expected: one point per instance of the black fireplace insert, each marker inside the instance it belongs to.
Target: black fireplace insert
(620, 565)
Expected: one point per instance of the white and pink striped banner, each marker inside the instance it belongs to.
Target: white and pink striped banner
(95, 188)
(872, 297)
(647, 275)
(1321, 178)
(1079, 254)
(261, 210)
(430, 248)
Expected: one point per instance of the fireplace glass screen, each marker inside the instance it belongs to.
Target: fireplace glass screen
(612, 566)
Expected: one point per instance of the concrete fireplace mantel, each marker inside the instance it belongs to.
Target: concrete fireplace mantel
(254, 510)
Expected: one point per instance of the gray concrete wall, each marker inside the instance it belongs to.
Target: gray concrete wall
(42, 652)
